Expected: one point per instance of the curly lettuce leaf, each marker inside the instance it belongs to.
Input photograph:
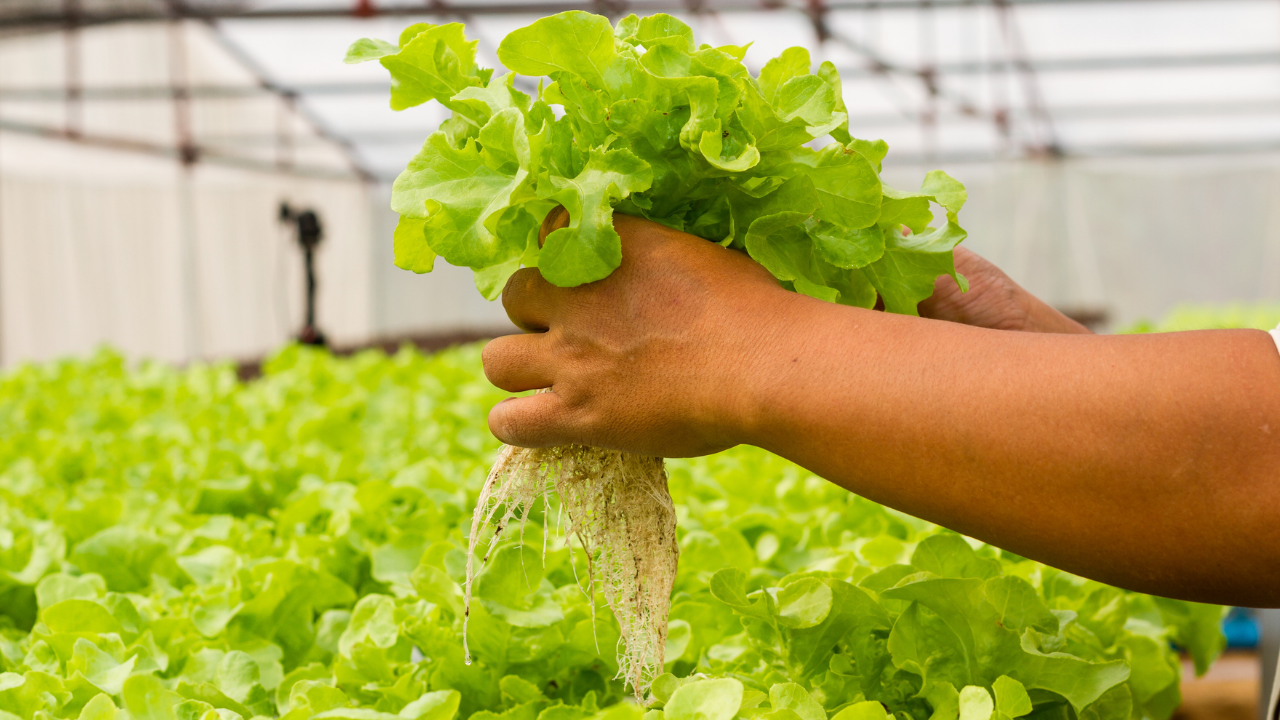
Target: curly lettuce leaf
(641, 119)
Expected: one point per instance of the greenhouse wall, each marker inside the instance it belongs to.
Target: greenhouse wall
(166, 262)
(133, 249)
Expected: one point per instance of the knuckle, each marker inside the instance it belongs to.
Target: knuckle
(576, 399)
(524, 298)
(512, 291)
(587, 425)
(519, 285)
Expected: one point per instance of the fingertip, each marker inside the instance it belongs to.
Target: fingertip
(488, 353)
(512, 422)
(498, 421)
(531, 421)
(527, 300)
(494, 358)
(517, 363)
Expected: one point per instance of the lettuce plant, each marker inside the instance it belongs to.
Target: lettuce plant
(641, 119)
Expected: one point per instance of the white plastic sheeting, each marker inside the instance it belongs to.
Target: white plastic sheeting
(98, 246)
(106, 243)
(106, 247)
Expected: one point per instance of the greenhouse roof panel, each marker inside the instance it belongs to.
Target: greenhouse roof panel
(934, 79)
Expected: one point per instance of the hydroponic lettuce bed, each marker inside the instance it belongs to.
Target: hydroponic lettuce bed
(175, 544)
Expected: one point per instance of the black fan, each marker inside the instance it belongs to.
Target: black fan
(309, 235)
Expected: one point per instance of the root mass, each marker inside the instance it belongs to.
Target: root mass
(617, 506)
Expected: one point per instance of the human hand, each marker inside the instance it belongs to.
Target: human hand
(652, 359)
(994, 301)
(666, 355)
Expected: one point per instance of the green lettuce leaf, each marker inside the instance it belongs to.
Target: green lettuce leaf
(650, 123)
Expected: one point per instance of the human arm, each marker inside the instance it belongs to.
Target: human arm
(1149, 462)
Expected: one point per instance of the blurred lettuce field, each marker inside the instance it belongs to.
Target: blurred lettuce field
(1257, 316)
(177, 545)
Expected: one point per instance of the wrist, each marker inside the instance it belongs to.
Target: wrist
(786, 336)
(745, 366)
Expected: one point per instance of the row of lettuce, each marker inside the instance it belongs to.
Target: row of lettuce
(175, 544)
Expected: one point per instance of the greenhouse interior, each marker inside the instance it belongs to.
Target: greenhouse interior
(245, 464)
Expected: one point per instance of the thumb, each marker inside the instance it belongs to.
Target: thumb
(534, 421)
(556, 219)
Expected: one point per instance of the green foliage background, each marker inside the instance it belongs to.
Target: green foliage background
(1256, 316)
(175, 544)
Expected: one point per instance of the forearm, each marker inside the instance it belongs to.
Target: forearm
(1122, 458)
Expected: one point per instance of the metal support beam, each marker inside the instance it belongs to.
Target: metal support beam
(28, 19)
(291, 98)
(1045, 137)
(73, 62)
(1098, 152)
(878, 65)
(180, 88)
(206, 154)
(927, 25)
(981, 67)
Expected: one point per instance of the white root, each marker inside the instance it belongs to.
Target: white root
(620, 510)
(518, 478)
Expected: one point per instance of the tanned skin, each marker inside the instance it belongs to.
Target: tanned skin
(1151, 462)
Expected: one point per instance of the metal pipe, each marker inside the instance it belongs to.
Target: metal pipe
(22, 20)
(308, 259)
(71, 73)
(205, 153)
(188, 154)
(977, 67)
(291, 98)
(179, 91)
(1046, 136)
